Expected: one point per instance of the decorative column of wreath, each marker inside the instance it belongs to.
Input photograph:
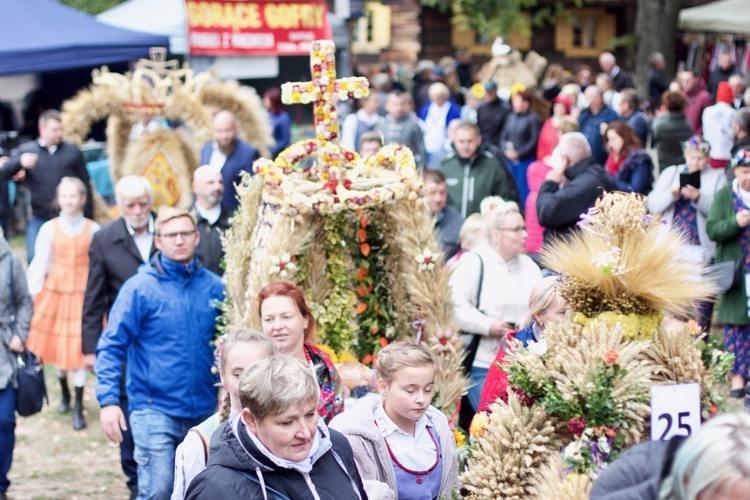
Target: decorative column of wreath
(355, 235)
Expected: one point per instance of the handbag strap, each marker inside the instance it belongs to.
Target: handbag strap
(12, 293)
(481, 279)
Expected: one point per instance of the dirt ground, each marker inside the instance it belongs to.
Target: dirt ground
(52, 461)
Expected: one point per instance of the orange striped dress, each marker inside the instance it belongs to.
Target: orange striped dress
(55, 332)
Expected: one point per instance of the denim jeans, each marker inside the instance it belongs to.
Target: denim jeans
(7, 432)
(129, 467)
(477, 375)
(32, 230)
(156, 437)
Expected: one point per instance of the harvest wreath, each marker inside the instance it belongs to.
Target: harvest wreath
(355, 235)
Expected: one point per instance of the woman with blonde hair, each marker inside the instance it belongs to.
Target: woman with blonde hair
(409, 453)
(491, 288)
(235, 351)
(278, 447)
(546, 307)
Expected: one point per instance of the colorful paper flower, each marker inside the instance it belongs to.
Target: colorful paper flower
(282, 265)
(539, 348)
(426, 260)
(443, 340)
(479, 424)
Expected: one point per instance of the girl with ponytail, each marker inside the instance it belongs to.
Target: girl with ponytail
(235, 351)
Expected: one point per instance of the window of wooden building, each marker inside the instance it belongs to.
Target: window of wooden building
(585, 32)
(372, 32)
(481, 46)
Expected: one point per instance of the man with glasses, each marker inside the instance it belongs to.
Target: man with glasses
(165, 319)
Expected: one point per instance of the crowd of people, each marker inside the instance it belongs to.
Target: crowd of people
(136, 301)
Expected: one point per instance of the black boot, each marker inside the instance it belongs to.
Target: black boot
(65, 398)
(79, 421)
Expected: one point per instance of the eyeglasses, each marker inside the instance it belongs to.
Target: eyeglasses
(173, 236)
(518, 229)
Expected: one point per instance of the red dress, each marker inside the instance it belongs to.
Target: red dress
(55, 332)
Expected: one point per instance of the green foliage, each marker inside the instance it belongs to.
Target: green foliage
(500, 17)
(92, 7)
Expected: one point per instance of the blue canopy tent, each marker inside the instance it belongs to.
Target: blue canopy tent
(43, 35)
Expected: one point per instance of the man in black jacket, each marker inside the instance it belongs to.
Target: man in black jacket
(491, 115)
(44, 163)
(116, 252)
(572, 189)
(211, 214)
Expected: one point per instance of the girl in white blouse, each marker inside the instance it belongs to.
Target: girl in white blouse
(402, 445)
(57, 280)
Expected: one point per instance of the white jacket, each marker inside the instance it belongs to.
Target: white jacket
(506, 288)
(661, 201)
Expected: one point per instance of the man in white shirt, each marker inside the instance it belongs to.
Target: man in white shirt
(717, 126)
(211, 214)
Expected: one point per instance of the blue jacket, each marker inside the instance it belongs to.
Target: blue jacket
(590, 128)
(240, 160)
(163, 321)
(282, 132)
(454, 111)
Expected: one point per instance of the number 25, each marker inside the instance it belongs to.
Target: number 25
(680, 423)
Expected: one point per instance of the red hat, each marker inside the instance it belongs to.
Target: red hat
(724, 93)
(564, 100)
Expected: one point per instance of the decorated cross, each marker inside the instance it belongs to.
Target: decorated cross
(325, 91)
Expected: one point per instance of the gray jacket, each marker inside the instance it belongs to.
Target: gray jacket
(372, 457)
(22, 310)
(404, 131)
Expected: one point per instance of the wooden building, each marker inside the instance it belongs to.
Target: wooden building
(403, 31)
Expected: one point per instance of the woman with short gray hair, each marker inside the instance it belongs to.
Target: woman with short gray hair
(278, 447)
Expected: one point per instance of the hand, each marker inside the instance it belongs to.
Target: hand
(691, 193)
(16, 344)
(112, 420)
(3, 159)
(511, 154)
(28, 160)
(743, 218)
(603, 128)
(555, 175)
(20, 176)
(675, 190)
(500, 329)
(89, 360)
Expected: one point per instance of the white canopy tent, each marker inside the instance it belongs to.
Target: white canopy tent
(724, 16)
(168, 17)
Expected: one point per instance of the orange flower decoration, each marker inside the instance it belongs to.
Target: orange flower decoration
(611, 356)
(479, 424)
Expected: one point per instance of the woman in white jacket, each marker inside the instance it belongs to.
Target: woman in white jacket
(685, 206)
(403, 446)
(491, 288)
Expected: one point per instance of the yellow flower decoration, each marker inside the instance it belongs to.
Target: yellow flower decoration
(334, 358)
(479, 424)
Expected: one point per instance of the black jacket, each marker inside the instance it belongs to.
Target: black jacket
(719, 75)
(559, 209)
(491, 118)
(522, 129)
(209, 251)
(43, 179)
(638, 473)
(622, 80)
(113, 258)
(236, 469)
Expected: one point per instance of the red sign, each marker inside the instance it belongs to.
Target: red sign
(237, 27)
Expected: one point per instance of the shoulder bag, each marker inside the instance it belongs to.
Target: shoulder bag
(32, 391)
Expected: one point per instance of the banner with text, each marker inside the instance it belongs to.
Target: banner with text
(238, 27)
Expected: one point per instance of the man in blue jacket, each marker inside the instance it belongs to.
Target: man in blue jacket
(164, 320)
(592, 121)
(229, 154)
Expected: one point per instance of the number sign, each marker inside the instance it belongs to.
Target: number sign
(675, 411)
